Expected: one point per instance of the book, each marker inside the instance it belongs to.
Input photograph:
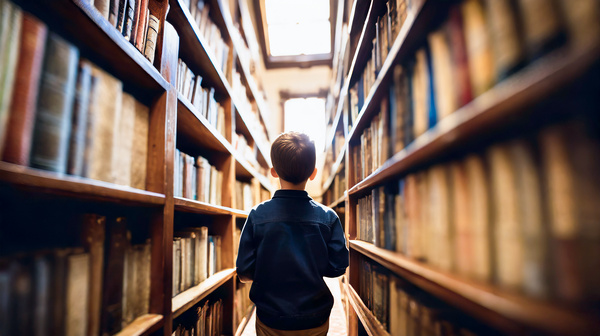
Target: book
(445, 81)
(113, 12)
(17, 141)
(151, 37)
(123, 142)
(504, 32)
(420, 93)
(460, 68)
(103, 6)
(79, 121)
(55, 105)
(176, 266)
(93, 236)
(461, 203)
(139, 148)
(581, 20)
(113, 291)
(77, 294)
(542, 27)
(105, 111)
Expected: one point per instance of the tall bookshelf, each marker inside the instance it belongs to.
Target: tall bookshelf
(153, 213)
(518, 109)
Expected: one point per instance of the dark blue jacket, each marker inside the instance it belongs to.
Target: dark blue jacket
(287, 246)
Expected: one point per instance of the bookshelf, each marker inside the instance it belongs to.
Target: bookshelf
(519, 107)
(154, 214)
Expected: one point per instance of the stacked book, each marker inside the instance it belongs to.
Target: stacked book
(197, 179)
(61, 113)
(196, 257)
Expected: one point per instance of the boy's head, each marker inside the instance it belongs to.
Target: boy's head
(293, 157)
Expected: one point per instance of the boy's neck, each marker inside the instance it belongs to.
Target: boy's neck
(290, 186)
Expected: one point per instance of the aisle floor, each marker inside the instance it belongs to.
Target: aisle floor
(337, 320)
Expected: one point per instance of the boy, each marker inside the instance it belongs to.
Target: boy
(289, 244)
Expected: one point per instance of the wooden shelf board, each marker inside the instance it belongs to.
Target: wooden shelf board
(245, 116)
(76, 187)
(506, 100)
(189, 205)
(194, 49)
(411, 27)
(372, 326)
(360, 47)
(192, 123)
(185, 300)
(334, 168)
(143, 325)
(504, 311)
(100, 42)
(340, 201)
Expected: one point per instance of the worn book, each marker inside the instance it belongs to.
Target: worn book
(79, 122)
(50, 146)
(19, 131)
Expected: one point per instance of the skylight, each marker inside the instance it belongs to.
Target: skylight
(298, 27)
(306, 115)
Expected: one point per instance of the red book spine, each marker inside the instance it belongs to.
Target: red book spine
(24, 99)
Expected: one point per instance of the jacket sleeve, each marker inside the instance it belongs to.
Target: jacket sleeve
(246, 259)
(337, 250)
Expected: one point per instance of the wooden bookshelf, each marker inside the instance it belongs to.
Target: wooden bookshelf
(505, 102)
(172, 119)
(143, 325)
(513, 107)
(366, 317)
(505, 311)
(185, 300)
(339, 202)
(335, 167)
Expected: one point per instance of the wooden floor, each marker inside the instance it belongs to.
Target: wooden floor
(337, 320)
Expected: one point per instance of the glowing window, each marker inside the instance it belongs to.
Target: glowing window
(307, 115)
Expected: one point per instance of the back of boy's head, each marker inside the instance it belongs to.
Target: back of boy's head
(293, 156)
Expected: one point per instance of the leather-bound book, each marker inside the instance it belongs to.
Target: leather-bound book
(460, 68)
(113, 12)
(151, 37)
(139, 149)
(506, 40)
(136, 17)
(123, 143)
(128, 19)
(112, 291)
(507, 233)
(480, 216)
(50, 146)
(93, 233)
(478, 46)
(79, 121)
(104, 114)
(142, 25)
(77, 291)
(19, 131)
(176, 265)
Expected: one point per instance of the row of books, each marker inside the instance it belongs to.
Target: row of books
(197, 179)
(403, 309)
(208, 321)
(196, 257)
(203, 99)
(99, 287)
(249, 108)
(337, 188)
(375, 145)
(387, 27)
(479, 43)
(201, 12)
(242, 303)
(522, 215)
(61, 113)
(137, 20)
(244, 196)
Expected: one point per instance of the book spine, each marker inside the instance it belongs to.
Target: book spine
(17, 146)
(142, 28)
(79, 121)
(151, 37)
(94, 231)
(55, 106)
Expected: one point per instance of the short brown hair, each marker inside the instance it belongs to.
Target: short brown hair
(293, 156)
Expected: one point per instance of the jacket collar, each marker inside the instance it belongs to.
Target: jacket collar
(287, 193)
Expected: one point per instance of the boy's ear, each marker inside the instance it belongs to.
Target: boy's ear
(274, 173)
(313, 175)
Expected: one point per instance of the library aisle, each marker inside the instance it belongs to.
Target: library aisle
(337, 320)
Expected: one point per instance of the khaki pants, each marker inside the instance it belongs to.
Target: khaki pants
(263, 330)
